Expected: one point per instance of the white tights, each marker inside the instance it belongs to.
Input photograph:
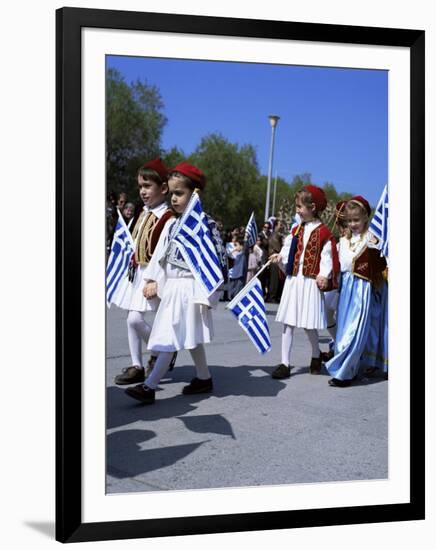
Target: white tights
(163, 362)
(138, 331)
(287, 340)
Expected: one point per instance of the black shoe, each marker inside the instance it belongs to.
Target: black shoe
(141, 393)
(370, 371)
(326, 355)
(130, 375)
(315, 365)
(198, 386)
(282, 371)
(336, 383)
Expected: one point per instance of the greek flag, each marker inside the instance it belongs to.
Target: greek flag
(379, 223)
(197, 247)
(251, 231)
(119, 258)
(249, 308)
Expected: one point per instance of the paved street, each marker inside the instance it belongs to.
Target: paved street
(252, 430)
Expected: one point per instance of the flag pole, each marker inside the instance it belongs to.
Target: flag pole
(182, 217)
(123, 223)
(248, 284)
(263, 267)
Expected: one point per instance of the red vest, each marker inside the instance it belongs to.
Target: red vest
(319, 237)
(157, 230)
(369, 265)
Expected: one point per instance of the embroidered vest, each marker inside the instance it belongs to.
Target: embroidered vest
(319, 237)
(369, 265)
(146, 234)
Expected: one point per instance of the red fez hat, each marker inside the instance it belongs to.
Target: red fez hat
(363, 203)
(340, 210)
(318, 197)
(158, 166)
(191, 172)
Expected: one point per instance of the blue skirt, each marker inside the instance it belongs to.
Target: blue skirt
(376, 351)
(353, 325)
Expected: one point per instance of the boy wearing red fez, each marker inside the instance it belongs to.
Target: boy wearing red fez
(309, 258)
(361, 278)
(153, 190)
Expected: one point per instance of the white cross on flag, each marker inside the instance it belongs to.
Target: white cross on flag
(248, 307)
(197, 247)
(251, 231)
(122, 249)
(379, 224)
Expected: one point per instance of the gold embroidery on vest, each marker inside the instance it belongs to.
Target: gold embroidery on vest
(362, 267)
(142, 233)
(300, 246)
(312, 253)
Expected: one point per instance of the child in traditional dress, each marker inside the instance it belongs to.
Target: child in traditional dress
(153, 190)
(183, 319)
(310, 259)
(361, 274)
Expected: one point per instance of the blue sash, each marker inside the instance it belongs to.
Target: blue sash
(293, 250)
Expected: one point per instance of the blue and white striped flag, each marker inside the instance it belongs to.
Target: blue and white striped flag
(379, 223)
(251, 231)
(197, 247)
(119, 258)
(248, 307)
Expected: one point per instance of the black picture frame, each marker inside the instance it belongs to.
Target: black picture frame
(69, 22)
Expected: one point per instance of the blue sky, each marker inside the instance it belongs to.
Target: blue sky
(333, 122)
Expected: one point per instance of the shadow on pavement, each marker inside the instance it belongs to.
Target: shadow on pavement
(365, 381)
(126, 459)
(122, 409)
(208, 423)
(245, 380)
(228, 381)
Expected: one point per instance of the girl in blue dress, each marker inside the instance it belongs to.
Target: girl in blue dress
(361, 276)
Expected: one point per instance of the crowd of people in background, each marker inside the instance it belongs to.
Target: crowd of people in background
(242, 263)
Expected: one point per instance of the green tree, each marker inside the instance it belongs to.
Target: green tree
(233, 187)
(134, 124)
(172, 157)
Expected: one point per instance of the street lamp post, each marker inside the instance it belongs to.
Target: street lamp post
(273, 120)
(273, 213)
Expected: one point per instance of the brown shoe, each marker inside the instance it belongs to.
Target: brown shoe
(130, 375)
(282, 371)
(315, 365)
(198, 386)
(141, 393)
